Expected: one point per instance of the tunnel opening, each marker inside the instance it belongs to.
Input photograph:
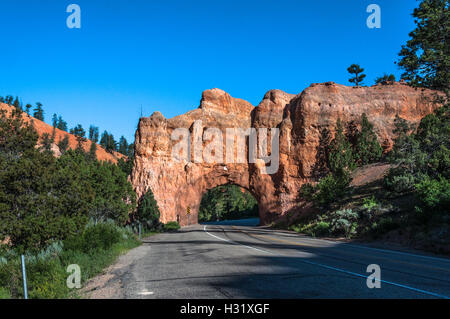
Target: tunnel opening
(228, 202)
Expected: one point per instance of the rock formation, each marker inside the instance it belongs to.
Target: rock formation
(178, 185)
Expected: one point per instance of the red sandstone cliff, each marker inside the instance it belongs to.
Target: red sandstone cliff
(300, 119)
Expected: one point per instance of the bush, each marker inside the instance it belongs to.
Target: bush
(307, 192)
(148, 211)
(46, 279)
(367, 148)
(94, 249)
(321, 228)
(399, 181)
(171, 226)
(434, 194)
(95, 237)
(329, 189)
(4, 293)
(370, 204)
(344, 222)
(384, 225)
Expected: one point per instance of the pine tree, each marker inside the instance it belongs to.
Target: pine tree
(78, 131)
(401, 126)
(426, 56)
(38, 112)
(148, 211)
(47, 142)
(28, 108)
(17, 136)
(385, 79)
(63, 144)
(368, 149)
(92, 155)
(62, 125)
(126, 165)
(321, 168)
(107, 142)
(17, 103)
(93, 133)
(358, 77)
(55, 120)
(80, 142)
(340, 155)
(123, 146)
(9, 99)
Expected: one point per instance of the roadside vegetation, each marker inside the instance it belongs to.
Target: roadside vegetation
(93, 249)
(411, 204)
(62, 211)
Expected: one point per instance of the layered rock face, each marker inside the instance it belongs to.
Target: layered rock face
(179, 177)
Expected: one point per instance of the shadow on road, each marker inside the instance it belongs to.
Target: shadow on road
(286, 265)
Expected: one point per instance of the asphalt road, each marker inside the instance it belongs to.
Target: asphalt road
(243, 261)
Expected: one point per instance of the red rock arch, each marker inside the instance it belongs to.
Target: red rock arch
(300, 119)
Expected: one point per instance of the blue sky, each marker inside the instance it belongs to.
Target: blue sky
(163, 54)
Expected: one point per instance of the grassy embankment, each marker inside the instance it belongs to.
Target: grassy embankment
(93, 250)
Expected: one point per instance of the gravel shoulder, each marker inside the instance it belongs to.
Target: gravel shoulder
(109, 284)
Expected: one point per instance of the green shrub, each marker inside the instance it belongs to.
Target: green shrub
(368, 149)
(45, 198)
(11, 277)
(93, 250)
(46, 279)
(307, 191)
(344, 222)
(384, 225)
(398, 180)
(4, 293)
(148, 211)
(314, 228)
(171, 226)
(434, 194)
(370, 203)
(321, 228)
(329, 189)
(99, 236)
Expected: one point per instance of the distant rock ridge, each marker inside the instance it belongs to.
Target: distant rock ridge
(42, 128)
(300, 118)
